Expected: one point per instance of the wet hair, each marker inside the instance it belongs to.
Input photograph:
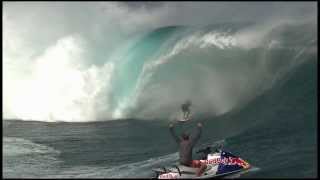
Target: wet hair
(185, 136)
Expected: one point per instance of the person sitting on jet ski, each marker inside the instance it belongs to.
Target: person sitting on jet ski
(186, 109)
(186, 144)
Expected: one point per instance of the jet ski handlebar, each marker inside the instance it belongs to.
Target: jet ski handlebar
(209, 149)
(204, 150)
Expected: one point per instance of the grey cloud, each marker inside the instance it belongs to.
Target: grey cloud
(144, 4)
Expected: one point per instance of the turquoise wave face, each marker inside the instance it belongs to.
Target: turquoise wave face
(131, 66)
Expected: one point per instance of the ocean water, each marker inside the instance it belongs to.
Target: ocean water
(254, 90)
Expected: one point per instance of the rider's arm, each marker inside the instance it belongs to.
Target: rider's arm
(176, 138)
(197, 135)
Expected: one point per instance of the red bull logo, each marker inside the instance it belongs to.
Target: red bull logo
(228, 161)
(169, 176)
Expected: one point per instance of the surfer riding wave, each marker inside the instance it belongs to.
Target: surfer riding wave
(185, 107)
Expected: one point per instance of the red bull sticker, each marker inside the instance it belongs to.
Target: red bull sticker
(169, 176)
(227, 161)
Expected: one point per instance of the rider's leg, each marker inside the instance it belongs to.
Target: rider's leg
(187, 114)
(202, 168)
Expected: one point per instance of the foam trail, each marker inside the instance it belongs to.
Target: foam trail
(26, 159)
(238, 175)
(140, 169)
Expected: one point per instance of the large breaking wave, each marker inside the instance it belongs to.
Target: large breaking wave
(218, 67)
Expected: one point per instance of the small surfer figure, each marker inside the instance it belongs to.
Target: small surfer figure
(186, 109)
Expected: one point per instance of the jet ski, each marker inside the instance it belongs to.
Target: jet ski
(219, 163)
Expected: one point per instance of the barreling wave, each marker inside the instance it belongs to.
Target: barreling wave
(219, 68)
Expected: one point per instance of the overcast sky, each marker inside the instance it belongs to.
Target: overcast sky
(42, 23)
(210, 12)
(161, 13)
